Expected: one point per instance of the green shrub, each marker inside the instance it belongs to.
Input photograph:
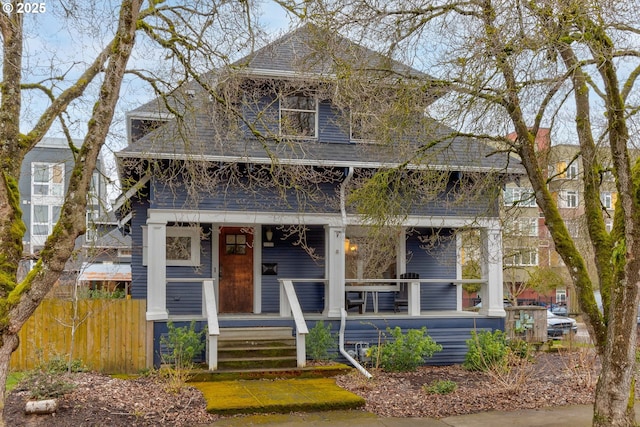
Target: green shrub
(441, 387)
(486, 350)
(47, 380)
(520, 348)
(319, 341)
(58, 363)
(103, 294)
(45, 385)
(181, 345)
(406, 352)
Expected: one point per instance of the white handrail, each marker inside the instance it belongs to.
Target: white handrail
(211, 312)
(294, 310)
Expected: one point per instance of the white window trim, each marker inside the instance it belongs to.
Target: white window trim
(564, 196)
(55, 190)
(606, 197)
(192, 232)
(518, 194)
(516, 260)
(572, 171)
(314, 111)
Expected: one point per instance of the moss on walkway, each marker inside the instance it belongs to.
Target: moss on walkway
(283, 395)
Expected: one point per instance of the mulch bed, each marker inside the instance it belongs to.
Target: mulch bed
(553, 379)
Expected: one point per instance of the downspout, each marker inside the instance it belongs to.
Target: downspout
(350, 359)
(343, 312)
(343, 186)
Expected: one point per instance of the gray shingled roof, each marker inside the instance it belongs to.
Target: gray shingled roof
(306, 50)
(458, 153)
(286, 56)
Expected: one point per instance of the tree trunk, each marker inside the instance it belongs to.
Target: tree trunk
(18, 300)
(9, 345)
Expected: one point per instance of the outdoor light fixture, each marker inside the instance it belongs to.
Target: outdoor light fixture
(350, 247)
(269, 235)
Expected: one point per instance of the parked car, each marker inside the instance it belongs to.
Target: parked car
(560, 310)
(506, 303)
(559, 326)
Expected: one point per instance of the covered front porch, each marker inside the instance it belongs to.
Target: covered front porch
(287, 286)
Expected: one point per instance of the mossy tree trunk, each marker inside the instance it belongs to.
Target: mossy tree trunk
(515, 66)
(19, 299)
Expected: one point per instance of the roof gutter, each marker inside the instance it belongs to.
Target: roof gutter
(315, 162)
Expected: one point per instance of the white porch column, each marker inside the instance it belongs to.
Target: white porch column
(458, 271)
(492, 293)
(335, 271)
(156, 270)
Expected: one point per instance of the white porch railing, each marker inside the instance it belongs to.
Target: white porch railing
(290, 306)
(211, 313)
(392, 285)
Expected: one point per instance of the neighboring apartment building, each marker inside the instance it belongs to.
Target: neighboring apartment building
(43, 184)
(527, 243)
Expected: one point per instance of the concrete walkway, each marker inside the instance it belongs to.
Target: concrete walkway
(562, 416)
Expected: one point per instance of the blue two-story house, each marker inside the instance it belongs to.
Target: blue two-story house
(242, 203)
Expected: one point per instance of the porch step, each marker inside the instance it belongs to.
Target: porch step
(257, 332)
(256, 348)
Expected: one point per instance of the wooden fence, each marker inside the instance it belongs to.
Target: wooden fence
(110, 335)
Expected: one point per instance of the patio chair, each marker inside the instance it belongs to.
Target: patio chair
(401, 298)
(356, 299)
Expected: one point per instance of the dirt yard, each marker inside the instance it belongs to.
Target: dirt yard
(553, 379)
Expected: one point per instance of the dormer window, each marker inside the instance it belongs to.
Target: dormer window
(298, 116)
(363, 127)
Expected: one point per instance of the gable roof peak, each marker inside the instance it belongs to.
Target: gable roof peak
(310, 49)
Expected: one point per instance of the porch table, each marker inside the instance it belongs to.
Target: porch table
(374, 289)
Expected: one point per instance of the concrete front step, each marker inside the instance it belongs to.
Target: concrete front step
(226, 353)
(260, 348)
(256, 333)
(315, 371)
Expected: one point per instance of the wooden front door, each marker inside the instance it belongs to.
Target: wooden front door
(236, 270)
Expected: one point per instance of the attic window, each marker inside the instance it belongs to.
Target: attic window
(298, 116)
(363, 127)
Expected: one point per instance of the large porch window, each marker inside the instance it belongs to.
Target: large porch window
(368, 256)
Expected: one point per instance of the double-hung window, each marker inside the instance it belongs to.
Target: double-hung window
(572, 171)
(569, 199)
(48, 179)
(520, 196)
(44, 217)
(47, 197)
(525, 227)
(298, 116)
(607, 200)
(522, 257)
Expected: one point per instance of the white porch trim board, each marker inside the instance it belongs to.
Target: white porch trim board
(245, 218)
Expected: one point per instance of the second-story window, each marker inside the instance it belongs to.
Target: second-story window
(298, 116)
(525, 227)
(363, 127)
(607, 199)
(569, 199)
(572, 171)
(523, 197)
(44, 217)
(48, 179)
(521, 257)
